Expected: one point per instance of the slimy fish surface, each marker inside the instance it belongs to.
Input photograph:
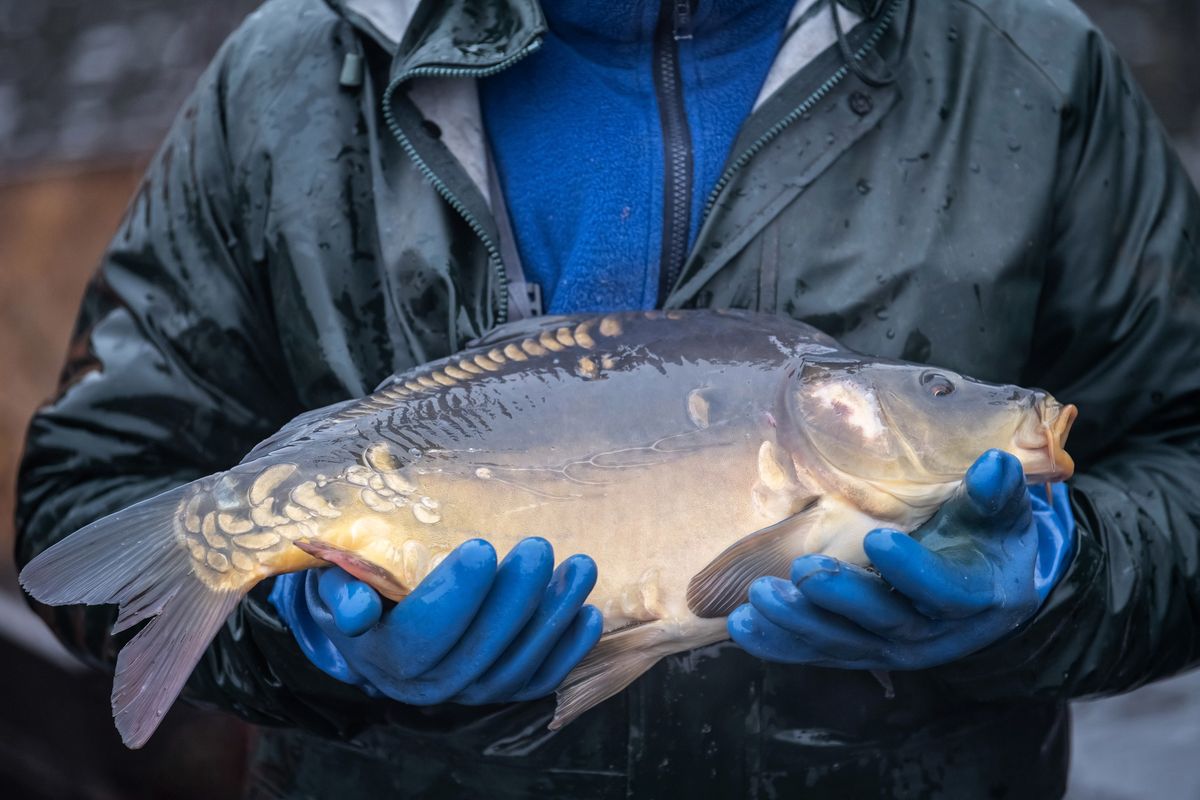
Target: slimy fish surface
(688, 453)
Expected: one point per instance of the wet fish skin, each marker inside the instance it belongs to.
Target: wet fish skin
(686, 452)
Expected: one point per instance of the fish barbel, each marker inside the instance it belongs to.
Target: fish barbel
(688, 453)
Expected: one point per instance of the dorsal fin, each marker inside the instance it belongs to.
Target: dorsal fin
(297, 426)
(497, 351)
(509, 344)
(521, 329)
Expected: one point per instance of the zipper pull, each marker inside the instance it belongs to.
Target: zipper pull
(351, 76)
(681, 18)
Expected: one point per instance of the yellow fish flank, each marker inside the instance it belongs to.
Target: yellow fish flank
(688, 453)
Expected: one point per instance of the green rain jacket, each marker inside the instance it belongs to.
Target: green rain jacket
(317, 219)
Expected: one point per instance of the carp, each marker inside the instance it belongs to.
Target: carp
(687, 452)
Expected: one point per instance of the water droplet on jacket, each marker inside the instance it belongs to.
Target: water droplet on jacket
(975, 167)
(952, 34)
(1014, 146)
(891, 334)
(860, 104)
(863, 186)
(881, 312)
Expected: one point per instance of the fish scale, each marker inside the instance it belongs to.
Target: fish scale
(687, 453)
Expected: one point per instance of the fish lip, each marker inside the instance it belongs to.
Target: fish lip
(1043, 437)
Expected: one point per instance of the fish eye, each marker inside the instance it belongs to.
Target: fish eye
(937, 384)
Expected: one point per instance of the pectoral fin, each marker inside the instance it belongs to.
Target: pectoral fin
(379, 578)
(721, 586)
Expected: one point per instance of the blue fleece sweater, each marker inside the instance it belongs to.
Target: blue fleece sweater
(578, 143)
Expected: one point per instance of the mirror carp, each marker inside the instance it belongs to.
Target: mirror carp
(687, 452)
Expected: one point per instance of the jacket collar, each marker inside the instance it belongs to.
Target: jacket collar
(433, 44)
(385, 21)
(470, 34)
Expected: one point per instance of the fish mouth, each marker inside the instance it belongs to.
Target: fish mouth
(1041, 440)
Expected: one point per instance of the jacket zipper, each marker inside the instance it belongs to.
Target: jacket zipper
(493, 250)
(809, 103)
(674, 24)
(799, 111)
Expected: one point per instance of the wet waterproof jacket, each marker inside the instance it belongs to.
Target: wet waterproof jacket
(1008, 208)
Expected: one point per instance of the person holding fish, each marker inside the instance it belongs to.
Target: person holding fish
(632, 512)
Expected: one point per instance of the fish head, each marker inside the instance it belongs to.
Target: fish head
(910, 432)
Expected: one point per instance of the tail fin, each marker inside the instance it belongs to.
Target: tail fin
(137, 559)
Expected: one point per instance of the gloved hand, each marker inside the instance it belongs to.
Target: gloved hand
(978, 569)
(469, 633)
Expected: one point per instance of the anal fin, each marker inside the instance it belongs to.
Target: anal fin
(620, 657)
(615, 662)
(379, 578)
(721, 586)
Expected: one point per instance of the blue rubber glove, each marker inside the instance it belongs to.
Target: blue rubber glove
(976, 571)
(470, 633)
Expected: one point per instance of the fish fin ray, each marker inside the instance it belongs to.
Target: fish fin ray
(298, 426)
(106, 561)
(721, 586)
(616, 661)
(376, 575)
(153, 666)
(136, 559)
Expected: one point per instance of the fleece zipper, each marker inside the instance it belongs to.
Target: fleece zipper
(674, 25)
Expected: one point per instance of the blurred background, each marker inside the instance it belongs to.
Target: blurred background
(87, 90)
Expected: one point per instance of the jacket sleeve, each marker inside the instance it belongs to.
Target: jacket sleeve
(1118, 333)
(173, 373)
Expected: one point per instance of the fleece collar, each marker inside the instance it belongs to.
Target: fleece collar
(388, 21)
(605, 32)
